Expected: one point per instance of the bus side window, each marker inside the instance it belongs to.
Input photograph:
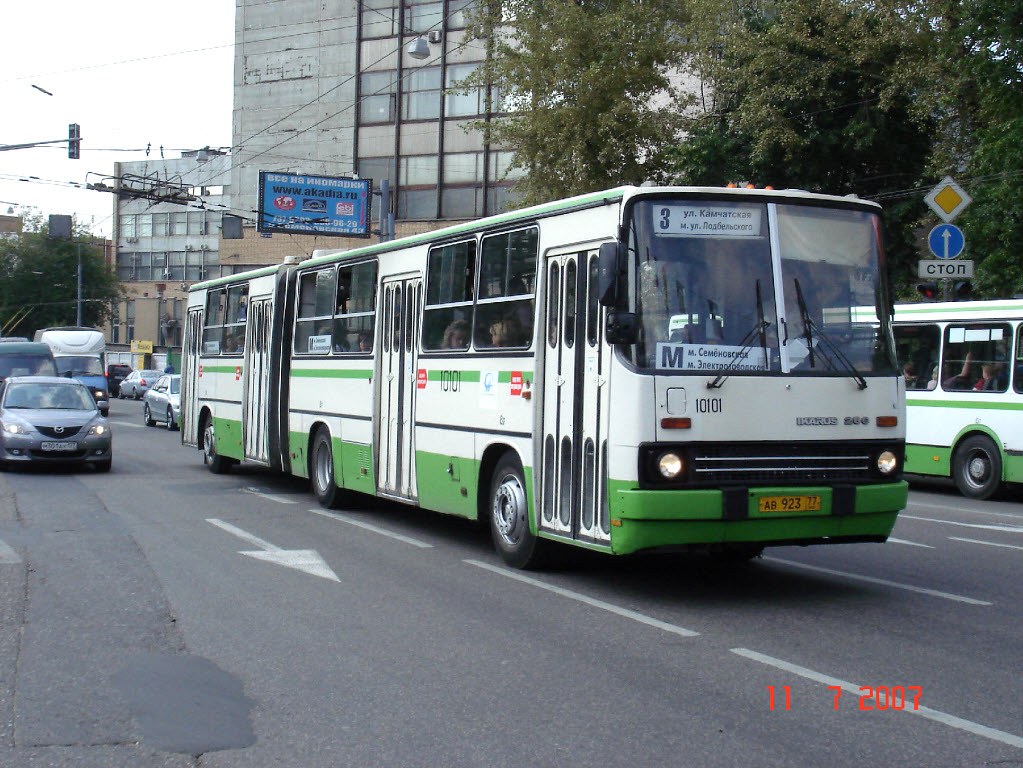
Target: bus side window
(213, 328)
(313, 327)
(506, 302)
(447, 305)
(355, 314)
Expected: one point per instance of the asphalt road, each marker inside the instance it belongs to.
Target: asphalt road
(163, 616)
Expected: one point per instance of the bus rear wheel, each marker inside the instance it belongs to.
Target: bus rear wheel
(216, 463)
(508, 510)
(977, 467)
(321, 472)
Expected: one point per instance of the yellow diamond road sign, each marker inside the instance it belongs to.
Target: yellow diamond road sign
(947, 199)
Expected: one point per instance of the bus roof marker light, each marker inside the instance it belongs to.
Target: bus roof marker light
(887, 421)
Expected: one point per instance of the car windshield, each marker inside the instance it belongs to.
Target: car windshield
(70, 397)
(728, 286)
(80, 365)
(26, 365)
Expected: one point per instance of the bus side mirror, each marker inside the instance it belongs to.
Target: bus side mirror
(610, 259)
(621, 327)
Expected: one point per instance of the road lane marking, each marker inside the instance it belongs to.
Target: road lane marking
(981, 526)
(269, 496)
(590, 601)
(7, 555)
(373, 528)
(948, 508)
(910, 543)
(926, 712)
(131, 424)
(305, 560)
(885, 582)
(989, 543)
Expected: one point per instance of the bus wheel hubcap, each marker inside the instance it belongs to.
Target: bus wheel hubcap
(978, 468)
(510, 509)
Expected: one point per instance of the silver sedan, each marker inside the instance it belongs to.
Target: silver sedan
(47, 419)
(162, 402)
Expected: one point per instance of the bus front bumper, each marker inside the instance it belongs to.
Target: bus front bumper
(678, 519)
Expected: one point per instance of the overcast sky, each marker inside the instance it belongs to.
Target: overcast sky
(132, 74)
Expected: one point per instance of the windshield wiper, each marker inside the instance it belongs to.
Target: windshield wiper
(758, 331)
(826, 344)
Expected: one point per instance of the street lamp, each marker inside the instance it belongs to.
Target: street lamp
(419, 49)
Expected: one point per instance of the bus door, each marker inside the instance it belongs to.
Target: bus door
(396, 387)
(573, 492)
(192, 348)
(256, 389)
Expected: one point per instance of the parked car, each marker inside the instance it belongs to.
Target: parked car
(137, 382)
(45, 419)
(116, 373)
(163, 401)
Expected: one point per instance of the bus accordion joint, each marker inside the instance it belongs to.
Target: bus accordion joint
(676, 423)
(887, 421)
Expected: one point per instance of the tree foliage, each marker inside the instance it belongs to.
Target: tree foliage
(39, 282)
(815, 95)
(585, 89)
(878, 98)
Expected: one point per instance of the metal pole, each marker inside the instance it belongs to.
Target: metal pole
(386, 220)
(79, 315)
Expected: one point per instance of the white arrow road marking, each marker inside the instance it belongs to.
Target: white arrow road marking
(307, 560)
(7, 555)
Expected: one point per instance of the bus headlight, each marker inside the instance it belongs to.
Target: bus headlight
(670, 465)
(886, 462)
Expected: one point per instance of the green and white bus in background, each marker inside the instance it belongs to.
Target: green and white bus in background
(636, 369)
(963, 365)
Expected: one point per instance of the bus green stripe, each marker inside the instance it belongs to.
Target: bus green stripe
(986, 405)
(331, 373)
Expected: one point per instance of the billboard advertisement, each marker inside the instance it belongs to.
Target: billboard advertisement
(314, 205)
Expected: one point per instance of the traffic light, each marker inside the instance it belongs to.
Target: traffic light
(74, 140)
(928, 290)
(962, 290)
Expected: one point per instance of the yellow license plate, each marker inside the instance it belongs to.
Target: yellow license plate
(790, 503)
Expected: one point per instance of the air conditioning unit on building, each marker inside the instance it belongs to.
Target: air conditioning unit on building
(189, 247)
(434, 36)
(131, 239)
(166, 274)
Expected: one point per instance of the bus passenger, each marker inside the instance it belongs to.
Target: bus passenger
(909, 375)
(506, 332)
(366, 341)
(456, 335)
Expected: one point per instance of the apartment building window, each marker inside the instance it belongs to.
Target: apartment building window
(377, 91)
(423, 15)
(379, 18)
(462, 104)
(421, 98)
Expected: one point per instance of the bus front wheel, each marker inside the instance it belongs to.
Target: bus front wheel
(518, 546)
(977, 467)
(216, 463)
(321, 472)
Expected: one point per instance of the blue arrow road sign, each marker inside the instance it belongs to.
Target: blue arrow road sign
(946, 241)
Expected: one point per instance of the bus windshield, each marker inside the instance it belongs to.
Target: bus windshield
(737, 287)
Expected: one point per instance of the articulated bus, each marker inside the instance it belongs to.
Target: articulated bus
(636, 369)
(963, 366)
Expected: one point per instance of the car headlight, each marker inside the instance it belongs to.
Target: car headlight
(98, 429)
(887, 462)
(670, 465)
(99, 393)
(13, 428)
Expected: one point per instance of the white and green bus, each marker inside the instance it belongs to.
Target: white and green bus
(963, 365)
(635, 369)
